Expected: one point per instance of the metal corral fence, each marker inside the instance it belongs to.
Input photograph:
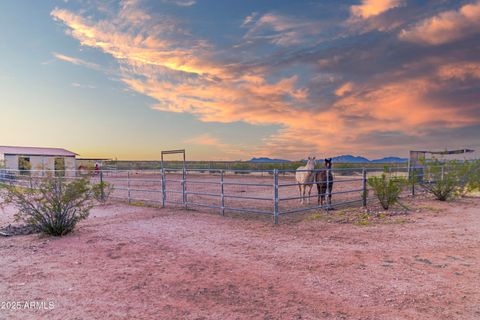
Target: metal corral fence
(267, 192)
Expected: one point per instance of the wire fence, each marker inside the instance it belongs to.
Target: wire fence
(266, 192)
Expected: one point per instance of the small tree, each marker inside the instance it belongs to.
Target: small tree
(53, 205)
(447, 180)
(471, 176)
(443, 185)
(387, 188)
(102, 191)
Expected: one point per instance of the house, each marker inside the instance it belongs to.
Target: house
(37, 159)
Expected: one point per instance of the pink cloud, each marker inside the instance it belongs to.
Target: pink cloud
(445, 27)
(461, 71)
(370, 8)
(344, 89)
(76, 61)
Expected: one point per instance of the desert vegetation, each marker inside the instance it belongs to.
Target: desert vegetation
(451, 179)
(53, 205)
(387, 188)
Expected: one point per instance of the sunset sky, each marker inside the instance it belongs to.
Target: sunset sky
(230, 80)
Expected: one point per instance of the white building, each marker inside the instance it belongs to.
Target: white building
(32, 158)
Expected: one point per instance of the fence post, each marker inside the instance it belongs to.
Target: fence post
(222, 192)
(128, 186)
(275, 196)
(443, 171)
(364, 187)
(184, 187)
(328, 191)
(413, 178)
(102, 192)
(164, 195)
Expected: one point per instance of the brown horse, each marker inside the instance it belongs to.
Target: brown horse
(324, 181)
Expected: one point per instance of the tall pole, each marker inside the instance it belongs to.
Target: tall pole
(222, 192)
(413, 176)
(184, 187)
(102, 191)
(164, 195)
(364, 187)
(128, 186)
(327, 196)
(275, 196)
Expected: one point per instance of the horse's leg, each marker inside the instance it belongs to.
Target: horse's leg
(309, 192)
(300, 190)
(304, 190)
(330, 194)
(323, 193)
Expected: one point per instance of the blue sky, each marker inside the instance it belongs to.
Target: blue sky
(234, 79)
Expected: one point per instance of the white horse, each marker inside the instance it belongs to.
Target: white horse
(305, 178)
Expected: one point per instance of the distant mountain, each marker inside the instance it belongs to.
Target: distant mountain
(349, 158)
(390, 160)
(267, 160)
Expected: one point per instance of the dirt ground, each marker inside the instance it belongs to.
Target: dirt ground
(130, 262)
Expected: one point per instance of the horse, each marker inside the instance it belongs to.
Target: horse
(324, 181)
(305, 178)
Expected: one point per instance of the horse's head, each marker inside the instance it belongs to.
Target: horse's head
(311, 163)
(328, 163)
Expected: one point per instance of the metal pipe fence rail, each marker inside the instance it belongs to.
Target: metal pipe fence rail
(264, 192)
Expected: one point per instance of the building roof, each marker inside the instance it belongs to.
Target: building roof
(459, 151)
(34, 151)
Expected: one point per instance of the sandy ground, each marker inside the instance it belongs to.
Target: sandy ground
(128, 262)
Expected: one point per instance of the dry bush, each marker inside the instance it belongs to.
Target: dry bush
(387, 188)
(447, 180)
(52, 205)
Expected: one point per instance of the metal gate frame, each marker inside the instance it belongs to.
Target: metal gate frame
(184, 176)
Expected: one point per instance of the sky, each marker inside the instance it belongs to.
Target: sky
(231, 80)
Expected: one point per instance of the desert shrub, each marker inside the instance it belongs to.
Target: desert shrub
(53, 206)
(443, 189)
(102, 191)
(471, 176)
(387, 188)
(450, 179)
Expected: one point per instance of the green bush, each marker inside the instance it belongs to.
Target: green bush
(387, 188)
(471, 176)
(443, 186)
(443, 189)
(102, 191)
(450, 179)
(53, 206)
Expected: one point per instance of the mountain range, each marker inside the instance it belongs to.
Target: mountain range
(344, 158)
(267, 160)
